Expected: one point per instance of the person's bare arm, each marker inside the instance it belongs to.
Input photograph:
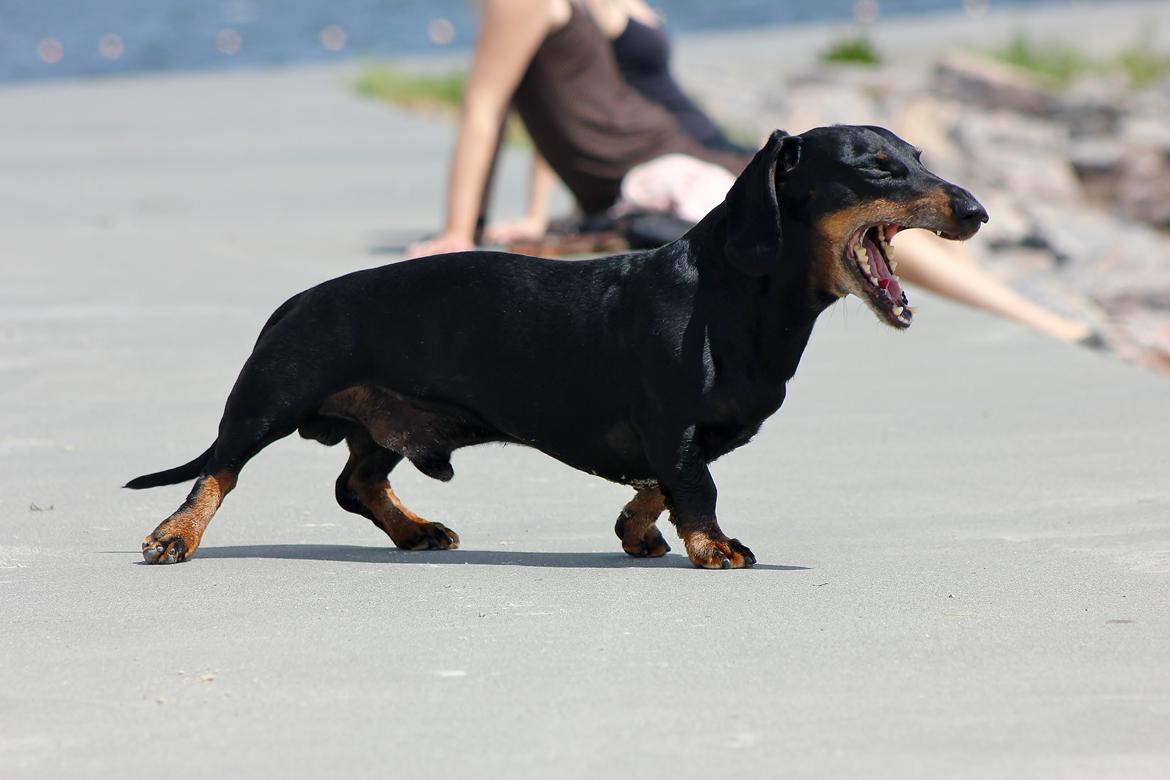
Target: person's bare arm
(534, 223)
(509, 35)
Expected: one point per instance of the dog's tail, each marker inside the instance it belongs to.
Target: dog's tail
(182, 473)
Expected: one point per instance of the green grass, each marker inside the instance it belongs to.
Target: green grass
(1052, 61)
(1061, 63)
(438, 91)
(1142, 64)
(852, 51)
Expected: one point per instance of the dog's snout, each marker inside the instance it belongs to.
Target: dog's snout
(966, 209)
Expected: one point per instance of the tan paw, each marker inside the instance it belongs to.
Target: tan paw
(169, 543)
(427, 536)
(636, 528)
(707, 552)
(650, 544)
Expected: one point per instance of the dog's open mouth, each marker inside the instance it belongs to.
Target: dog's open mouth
(871, 255)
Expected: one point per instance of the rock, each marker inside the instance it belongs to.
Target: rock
(1099, 164)
(1018, 154)
(1143, 337)
(1010, 226)
(982, 83)
(1146, 132)
(1093, 106)
(1116, 262)
(1152, 102)
(1144, 190)
(1141, 187)
(1018, 262)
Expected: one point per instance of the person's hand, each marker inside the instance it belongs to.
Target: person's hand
(440, 245)
(523, 229)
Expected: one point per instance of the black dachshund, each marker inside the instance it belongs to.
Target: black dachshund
(641, 368)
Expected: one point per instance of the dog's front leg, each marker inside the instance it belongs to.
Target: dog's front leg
(690, 493)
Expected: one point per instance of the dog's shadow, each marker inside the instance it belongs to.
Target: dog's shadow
(553, 560)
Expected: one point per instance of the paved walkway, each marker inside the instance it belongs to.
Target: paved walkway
(963, 530)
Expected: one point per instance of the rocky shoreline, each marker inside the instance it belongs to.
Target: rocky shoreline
(1077, 178)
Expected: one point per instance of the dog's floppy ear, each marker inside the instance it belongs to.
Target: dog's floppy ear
(754, 242)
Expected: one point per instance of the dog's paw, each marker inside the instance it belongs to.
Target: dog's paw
(640, 536)
(706, 552)
(428, 536)
(163, 546)
(650, 545)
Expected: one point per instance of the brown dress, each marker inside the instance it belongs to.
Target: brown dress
(590, 125)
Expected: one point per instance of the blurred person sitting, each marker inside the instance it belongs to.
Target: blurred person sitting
(641, 49)
(610, 146)
(606, 116)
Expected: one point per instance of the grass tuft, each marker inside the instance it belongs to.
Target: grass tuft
(1052, 61)
(1060, 63)
(433, 91)
(1142, 64)
(852, 51)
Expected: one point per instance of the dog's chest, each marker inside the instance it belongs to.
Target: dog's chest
(736, 421)
(717, 440)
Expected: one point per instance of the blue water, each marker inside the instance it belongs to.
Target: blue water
(53, 38)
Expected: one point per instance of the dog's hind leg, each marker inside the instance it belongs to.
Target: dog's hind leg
(636, 525)
(265, 405)
(363, 488)
(177, 538)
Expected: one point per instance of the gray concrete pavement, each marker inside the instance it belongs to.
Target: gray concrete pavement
(963, 530)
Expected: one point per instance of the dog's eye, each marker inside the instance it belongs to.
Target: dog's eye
(885, 168)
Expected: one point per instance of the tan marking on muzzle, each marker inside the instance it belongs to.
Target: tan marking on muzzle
(834, 230)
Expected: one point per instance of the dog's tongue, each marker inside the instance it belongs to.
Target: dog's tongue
(877, 264)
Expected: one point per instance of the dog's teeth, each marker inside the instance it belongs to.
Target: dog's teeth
(897, 311)
(938, 233)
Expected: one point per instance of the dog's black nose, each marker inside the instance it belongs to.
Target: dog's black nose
(966, 209)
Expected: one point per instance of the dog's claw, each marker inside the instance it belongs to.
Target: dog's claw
(163, 551)
(739, 547)
(430, 536)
